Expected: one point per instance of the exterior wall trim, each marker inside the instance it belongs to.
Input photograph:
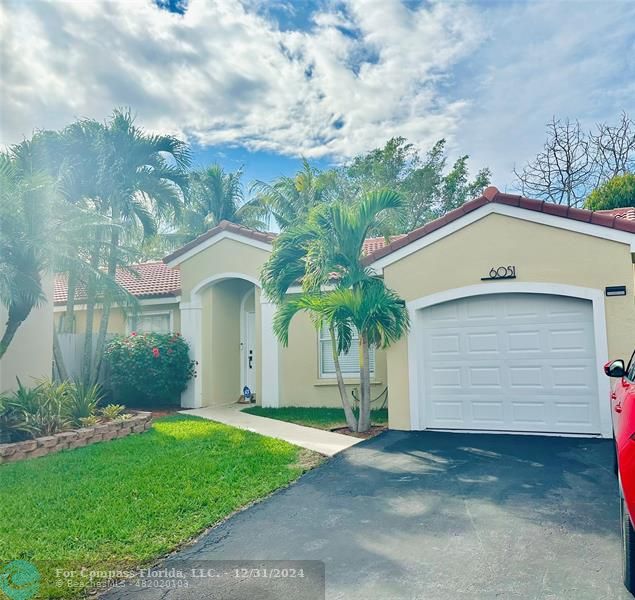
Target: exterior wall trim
(195, 297)
(61, 308)
(223, 235)
(269, 357)
(416, 396)
(243, 330)
(510, 211)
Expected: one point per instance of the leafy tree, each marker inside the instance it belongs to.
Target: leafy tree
(428, 188)
(327, 250)
(617, 192)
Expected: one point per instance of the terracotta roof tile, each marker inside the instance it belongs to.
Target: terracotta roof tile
(376, 243)
(622, 219)
(145, 280)
(627, 213)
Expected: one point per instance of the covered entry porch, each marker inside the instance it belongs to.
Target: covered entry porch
(224, 323)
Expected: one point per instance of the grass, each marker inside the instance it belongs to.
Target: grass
(321, 418)
(120, 504)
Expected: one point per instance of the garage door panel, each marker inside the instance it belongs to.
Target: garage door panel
(569, 340)
(524, 341)
(484, 377)
(515, 362)
(484, 342)
(445, 344)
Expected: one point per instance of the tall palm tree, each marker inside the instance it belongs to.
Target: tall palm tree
(288, 200)
(324, 253)
(24, 243)
(39, 230)
(142, 178)
(215, 196)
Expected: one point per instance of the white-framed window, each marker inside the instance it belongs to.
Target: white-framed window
(349, 362)
(156, 322)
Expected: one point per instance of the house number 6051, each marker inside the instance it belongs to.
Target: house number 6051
(508, 272)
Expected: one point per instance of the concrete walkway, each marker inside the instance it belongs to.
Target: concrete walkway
(325, 442)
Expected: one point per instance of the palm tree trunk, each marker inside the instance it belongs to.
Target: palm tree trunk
(16, 316)
(60, 366)
(66, 325)
(346, 404)
(68, 321)
(91, 300)
(113, 260)
(364, 377)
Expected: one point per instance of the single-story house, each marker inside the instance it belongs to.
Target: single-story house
(515, 304)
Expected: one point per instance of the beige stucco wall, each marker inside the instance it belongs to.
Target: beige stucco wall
(226, 256)
(117, 323)
(300, 383)
(220, 361)
(541, 254)
(30, 354)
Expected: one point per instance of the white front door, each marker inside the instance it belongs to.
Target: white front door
(510, 362)
(249, 351)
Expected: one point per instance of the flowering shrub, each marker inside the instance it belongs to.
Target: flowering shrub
(149, 369)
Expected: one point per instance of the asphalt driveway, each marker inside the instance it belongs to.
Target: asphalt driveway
(437, 516)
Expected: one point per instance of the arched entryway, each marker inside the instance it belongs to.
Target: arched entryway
(230, 332)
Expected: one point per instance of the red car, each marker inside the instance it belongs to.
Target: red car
(623, 410)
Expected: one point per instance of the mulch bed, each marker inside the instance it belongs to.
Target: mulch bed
(372, 432)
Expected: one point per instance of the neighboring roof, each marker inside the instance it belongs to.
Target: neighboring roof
(377, 243)
(623, 219)
(247, 232)
(144, 280)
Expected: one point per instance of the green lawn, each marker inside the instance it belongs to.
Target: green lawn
(121, 503)
(322, 418)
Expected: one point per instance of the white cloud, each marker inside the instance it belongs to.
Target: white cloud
(487, 76)
(221, 74)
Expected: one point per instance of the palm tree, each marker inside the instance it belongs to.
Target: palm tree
(288, 200)
(326, 252)
(39, 230)
(24, 244)
(142, 178)
(217, 196)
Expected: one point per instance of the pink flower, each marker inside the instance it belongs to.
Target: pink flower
(155, 352)
(133, 334)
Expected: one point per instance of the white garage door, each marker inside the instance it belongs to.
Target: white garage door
(510, 362)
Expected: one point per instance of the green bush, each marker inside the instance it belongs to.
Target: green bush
(149, 369)
(113, 411)
(47, 408)
(35, 412)
(618, 192)
(82, 401)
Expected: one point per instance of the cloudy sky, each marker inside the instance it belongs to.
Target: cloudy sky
(261, 82)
